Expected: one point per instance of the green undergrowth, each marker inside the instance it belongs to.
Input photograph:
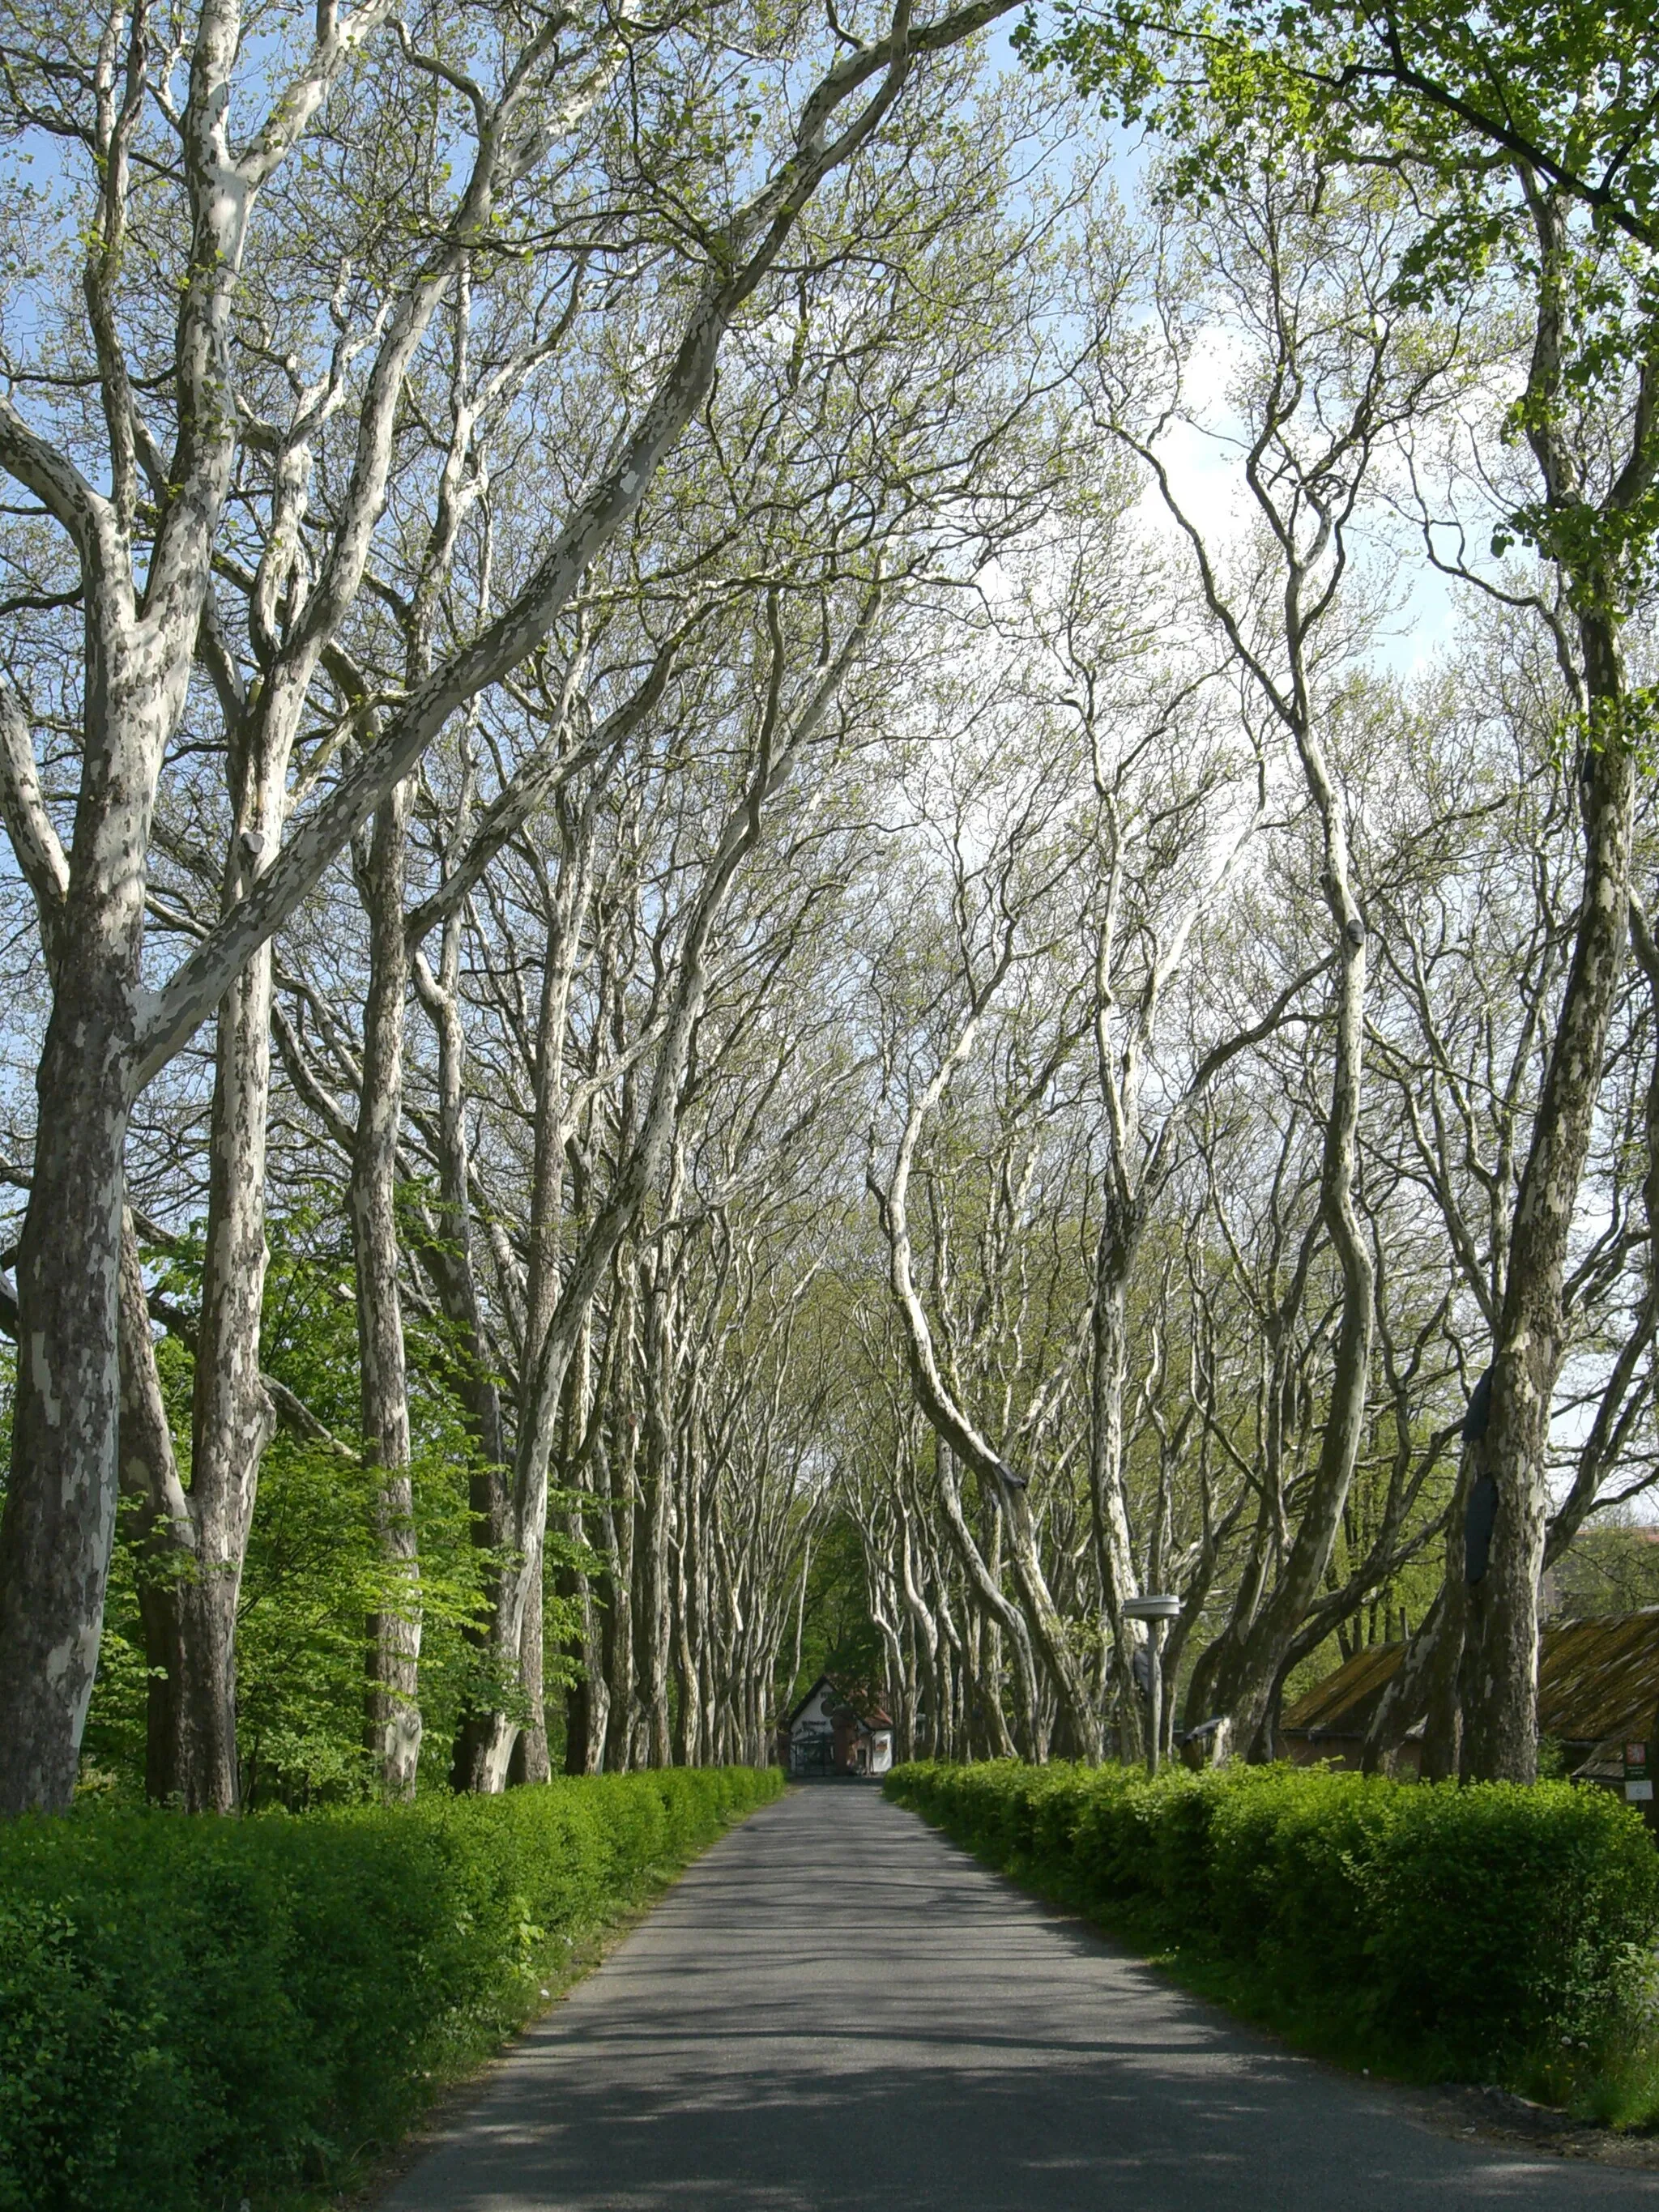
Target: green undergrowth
(195, 2011)
(1490, 1934)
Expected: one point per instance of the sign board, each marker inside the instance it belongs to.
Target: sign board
(1638, 1782)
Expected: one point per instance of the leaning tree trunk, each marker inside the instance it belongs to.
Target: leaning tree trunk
(1500, 1674)
(989, 1605)
(447, 1259)
(1426, 1684)
(1037, 1620)
(1500, 1668)
(1268, 1643)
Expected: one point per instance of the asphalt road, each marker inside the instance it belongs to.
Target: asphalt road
(836, 2011)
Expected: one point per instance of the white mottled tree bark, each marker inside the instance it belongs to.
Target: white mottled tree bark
(107, 1036)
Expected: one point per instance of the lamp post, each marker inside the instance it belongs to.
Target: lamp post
(1154, 1611)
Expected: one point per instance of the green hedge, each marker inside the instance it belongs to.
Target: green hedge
(1463, 1933)
(195, 2010)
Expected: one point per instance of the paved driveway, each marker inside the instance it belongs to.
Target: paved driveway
(836, 2011)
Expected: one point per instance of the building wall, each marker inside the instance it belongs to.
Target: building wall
(811, 1738)
(819, 1744)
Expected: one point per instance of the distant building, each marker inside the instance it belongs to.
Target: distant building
(1329, 1721)
(1598, 1698)
(836, 1729)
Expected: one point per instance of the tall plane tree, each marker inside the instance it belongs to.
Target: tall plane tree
(171, 190)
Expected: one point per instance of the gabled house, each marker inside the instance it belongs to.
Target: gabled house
(836, 1729)
(1598, 1698)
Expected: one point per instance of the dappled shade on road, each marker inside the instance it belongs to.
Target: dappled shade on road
(838, 2012)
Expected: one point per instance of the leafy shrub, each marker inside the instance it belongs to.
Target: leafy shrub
(193, 2010)
(1444, 1931)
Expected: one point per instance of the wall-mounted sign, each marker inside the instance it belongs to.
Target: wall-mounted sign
(1638, 1782)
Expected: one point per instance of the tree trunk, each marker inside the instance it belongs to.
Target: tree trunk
(59, 1523)
(531, 1761)
(392, 1708)
(1500, 1679)
(162, 1527)
(658, 1610)
(232, 1420)
(1253, 1700)
(580, 1734)
(622, 1531)
(1114, 1554)
(1500, 1676)
(484, 1749)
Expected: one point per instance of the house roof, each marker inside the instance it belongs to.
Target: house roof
(1596, 1679)
(844, 1697)
(822, 1682)
(868, 1711)
(1599, 1678)
(1342, 1704)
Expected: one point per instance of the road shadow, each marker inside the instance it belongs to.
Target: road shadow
(838, 2012)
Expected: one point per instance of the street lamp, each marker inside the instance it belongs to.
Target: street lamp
(1154, 1611)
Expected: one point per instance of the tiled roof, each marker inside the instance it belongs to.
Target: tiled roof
(1344, 1701)
(1596, 1679)
(865, 1708)
(1599, 1678)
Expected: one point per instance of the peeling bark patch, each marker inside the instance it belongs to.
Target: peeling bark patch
(41, 1373)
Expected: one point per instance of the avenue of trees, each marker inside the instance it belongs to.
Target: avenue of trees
(809, 814)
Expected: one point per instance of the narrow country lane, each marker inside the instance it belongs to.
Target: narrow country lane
(837, 2010)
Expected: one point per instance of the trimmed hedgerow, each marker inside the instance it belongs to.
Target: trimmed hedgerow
(1446, 1932)
(195, 2010)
